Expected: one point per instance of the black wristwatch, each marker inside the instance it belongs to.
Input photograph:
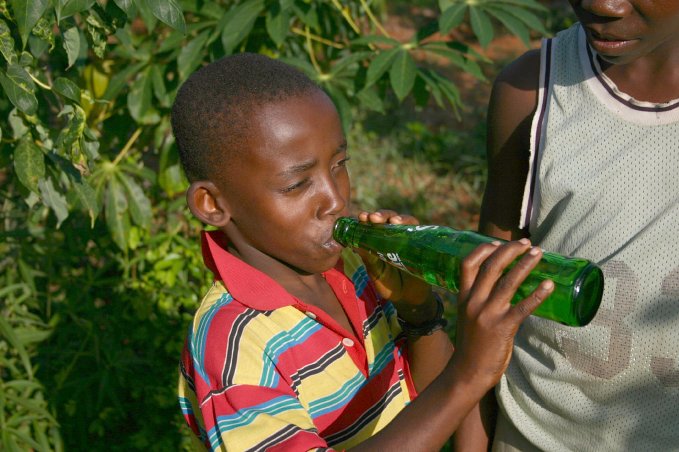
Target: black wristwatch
(429, 327)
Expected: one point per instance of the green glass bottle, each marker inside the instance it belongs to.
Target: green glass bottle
(434, 253)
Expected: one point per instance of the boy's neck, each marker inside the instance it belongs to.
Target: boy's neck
(310, 289)
(291, 279)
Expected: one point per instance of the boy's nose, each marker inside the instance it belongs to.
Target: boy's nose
(607, 8)
(334, 201)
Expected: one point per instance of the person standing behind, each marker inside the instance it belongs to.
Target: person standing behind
(583, 152)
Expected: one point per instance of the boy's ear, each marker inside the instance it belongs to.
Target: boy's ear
(207, 204)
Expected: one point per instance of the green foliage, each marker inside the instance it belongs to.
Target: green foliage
(101, 268)
(518, 16)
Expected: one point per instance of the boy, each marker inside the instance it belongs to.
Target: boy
(583, 159)
(294, 347)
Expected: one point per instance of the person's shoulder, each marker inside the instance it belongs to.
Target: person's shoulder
(218, 307)
(523, 73)
(514, 95)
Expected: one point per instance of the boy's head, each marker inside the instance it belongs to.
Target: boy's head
(264, 150)
(212, 113)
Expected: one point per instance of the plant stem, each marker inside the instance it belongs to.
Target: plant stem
(347, 16)
(317, 38)
(373, 19)
(39, 83)
(311, 51)
(128, 146)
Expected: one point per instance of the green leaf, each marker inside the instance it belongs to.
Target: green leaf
(445, 4)
(86, 195)
(67, 88)
(343, 107)
(402, 74)
(452, 17)
(53, 199)
(20, 89)
(139, 204)
(308, 13)
(159, 89)
(43, 30)
(369, 98)
(17, 123)
(117, 219)
(191, 55)
(70, 137)
(302, 65)
(455, 57)
(146, 15)
(31, 405)
(30, 442)
(7, 43)
(71, 45)
(125, 5)
(212, 10)
(481, 25)
(432, 84)
(7, 332)
(523, 4)
(525, 16)
(32, 335)
(27, 13)
(238, 22)
(29, 163)
(169, 12)
(448, 89)
(171, 42)
(140, 100)
(67, 8)
(375, 39)
(348, 61)
(421, 93)
(277, 25)
(514, 25)
(120, 80)
(380, 64)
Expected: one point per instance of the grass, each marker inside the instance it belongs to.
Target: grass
(437, 176)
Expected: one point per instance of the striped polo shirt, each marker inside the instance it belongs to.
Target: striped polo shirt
(263, 371)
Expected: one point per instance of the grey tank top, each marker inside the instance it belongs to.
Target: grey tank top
(603, 184)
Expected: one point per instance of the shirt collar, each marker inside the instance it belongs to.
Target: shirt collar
(246, 284)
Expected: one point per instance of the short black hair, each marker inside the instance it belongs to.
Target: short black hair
(211, 113)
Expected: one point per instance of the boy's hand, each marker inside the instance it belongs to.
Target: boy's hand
(393, 284)
(487, 322)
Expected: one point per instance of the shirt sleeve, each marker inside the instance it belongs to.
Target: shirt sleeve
(245, 417)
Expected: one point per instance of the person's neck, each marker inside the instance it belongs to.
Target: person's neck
(646, 79)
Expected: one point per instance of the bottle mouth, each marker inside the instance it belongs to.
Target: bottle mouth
(590, 286)
(340, 232)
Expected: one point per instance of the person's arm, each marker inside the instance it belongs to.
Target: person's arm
(486, 326)
(512, 104)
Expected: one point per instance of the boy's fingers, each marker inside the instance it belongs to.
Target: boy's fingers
(491, 270)
(380, 216)
(508, 284)
(525, 307)
(469, 268)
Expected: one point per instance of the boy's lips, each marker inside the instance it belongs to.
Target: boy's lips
(331, 244)
(606, 43)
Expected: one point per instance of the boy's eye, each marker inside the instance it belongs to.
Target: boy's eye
(294, 186)
(343, 162)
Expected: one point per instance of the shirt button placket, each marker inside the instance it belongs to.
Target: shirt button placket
(347, 342)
